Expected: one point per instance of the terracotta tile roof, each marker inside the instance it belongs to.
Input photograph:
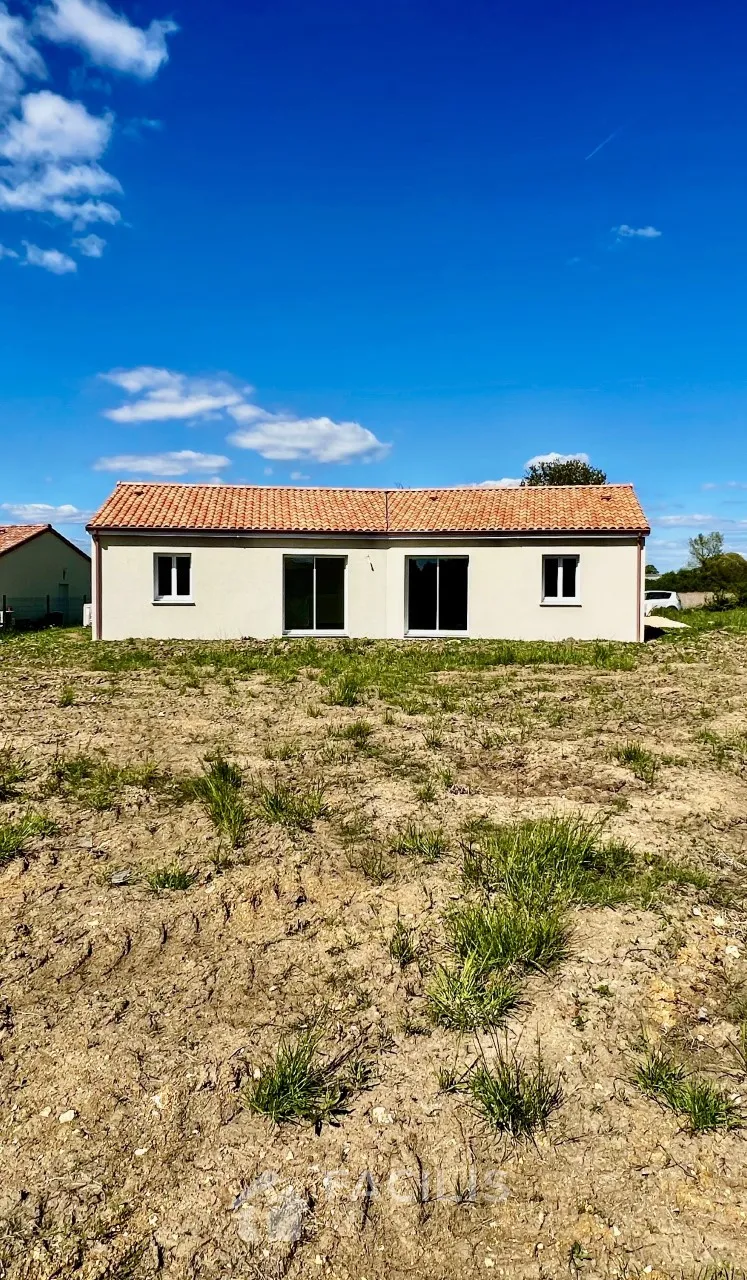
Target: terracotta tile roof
(227, 508)
(12, 535)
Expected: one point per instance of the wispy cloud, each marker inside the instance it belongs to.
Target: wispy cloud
(50, 145)
(162, 395)
(107, 38)
(607, 140)
(508, 482)
(5, 252)
(696, 520)
(91, 246)
(60, 264)
(181, 462)
(624, 232)
(43, 513)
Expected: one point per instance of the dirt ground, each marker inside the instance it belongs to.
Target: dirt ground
(132, 1021)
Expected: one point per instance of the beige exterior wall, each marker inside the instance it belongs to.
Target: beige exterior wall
(237, 587)
(37, 568)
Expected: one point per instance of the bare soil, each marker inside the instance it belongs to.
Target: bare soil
(132, 1021)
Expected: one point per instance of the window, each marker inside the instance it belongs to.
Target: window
(560, 580)
(437, 594)
(173, 579)
(314, 593)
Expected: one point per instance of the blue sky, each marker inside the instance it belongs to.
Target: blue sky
(411, 242)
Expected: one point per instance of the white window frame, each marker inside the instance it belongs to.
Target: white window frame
(559, 601)
(437, 632)
(314, 631)
(173, 598)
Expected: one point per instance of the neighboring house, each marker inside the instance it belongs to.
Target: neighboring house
(213, 561)
(42, 575)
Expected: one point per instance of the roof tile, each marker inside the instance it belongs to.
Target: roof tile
(214, 508)
(12, 535)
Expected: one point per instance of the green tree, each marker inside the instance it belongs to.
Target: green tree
(563, 471)
(652, 570)
(705, 547)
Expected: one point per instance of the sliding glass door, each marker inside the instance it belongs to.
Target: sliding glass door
(436, 594)
(314, 593)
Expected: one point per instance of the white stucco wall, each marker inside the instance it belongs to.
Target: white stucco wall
(37, 568)
(237, 587)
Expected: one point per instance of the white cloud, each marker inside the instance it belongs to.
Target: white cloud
(294, 475)
(50, 127)
(5, 252)
(697, 520)
(50, 145)
(179, 463)
(508, 482)
(108, 38)
(162, 395)
(169, 396)
(91, 246)
(18, 58)
(43, 513)
(556, 457)
(60, 264)
(283, 438)
(624, 232)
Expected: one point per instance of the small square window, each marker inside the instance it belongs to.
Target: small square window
(560, 580)
(173, 578)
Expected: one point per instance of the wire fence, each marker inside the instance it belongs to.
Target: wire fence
(49, 611)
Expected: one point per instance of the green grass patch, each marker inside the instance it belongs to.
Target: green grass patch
(639, 760)
(515, 1096)
(219, 790)
(291, 805)
(300, 1084)
(162, 879)
(507, 934)
(564, 860)
(14, 770)
(403, 945)
(703, 1103)
(471, 996)
(428, 843)
(16, 836)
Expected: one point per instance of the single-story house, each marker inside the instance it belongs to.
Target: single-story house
(42, 575)
(215, 561)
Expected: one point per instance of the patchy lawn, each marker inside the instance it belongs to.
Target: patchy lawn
(373, 960)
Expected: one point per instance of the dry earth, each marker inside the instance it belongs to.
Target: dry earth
(132, 1021)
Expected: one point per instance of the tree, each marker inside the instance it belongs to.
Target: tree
(652, 571)
(563, 471)
(705, 547)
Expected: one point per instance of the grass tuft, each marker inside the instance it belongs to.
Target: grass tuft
(508, 934)
(470, 996)
(428, 843)
(642, 762)
(219, 789)
(299, 1084)
(705, 1104)
(291, 806)
(15, 836)
(171, 877)
(346, 691)
(515, 1097)
(402, 945)
(14, 770)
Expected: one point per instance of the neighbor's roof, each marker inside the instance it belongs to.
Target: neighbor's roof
(12, 535)
(219, 508)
